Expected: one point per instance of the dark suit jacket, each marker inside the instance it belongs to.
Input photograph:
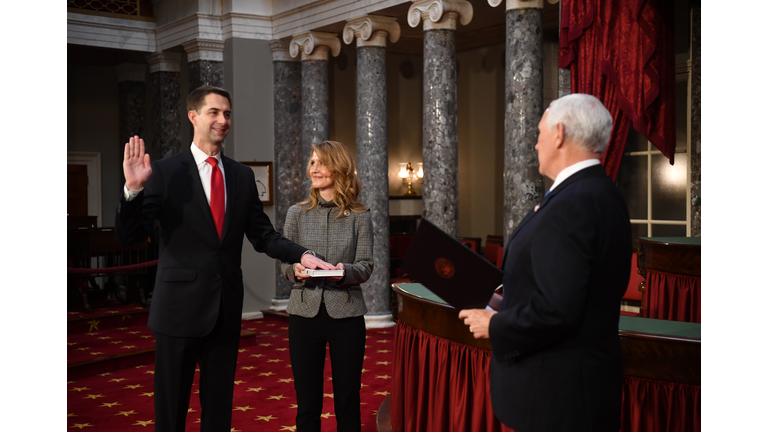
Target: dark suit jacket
(556, 362)
(196, 271)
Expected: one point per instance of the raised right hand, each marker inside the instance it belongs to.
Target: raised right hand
(136, 167)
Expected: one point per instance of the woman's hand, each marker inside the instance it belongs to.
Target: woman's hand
(339, 266)
(298, 272)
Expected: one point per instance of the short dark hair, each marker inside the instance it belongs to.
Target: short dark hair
(196, 99)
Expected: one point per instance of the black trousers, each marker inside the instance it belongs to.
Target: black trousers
(175, 362)
(307, 338)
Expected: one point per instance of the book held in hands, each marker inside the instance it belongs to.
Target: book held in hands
(323, 273)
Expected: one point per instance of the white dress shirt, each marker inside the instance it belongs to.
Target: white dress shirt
(203, 168)
(573, 169)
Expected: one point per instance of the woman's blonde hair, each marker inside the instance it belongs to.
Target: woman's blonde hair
(335, 157)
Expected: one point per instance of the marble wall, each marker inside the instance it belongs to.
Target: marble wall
(696, 122)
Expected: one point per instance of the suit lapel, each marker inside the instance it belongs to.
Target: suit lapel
(197, 190)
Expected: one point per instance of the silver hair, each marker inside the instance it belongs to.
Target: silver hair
(587, 122)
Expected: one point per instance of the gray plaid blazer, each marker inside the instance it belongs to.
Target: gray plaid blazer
(347, 240)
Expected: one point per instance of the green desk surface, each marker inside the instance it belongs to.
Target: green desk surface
(675, 240)
(626, 323)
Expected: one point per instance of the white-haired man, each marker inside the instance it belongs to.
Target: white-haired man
(556, 363)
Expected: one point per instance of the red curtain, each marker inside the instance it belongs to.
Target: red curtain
(650, 405)
(440, 385)
(673, 297)
(622, 52)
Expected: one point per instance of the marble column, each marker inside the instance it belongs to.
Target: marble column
(440, 190)
(206, 62)
(166, 106)
(289, 166)
(132, 104)
(563, 75)
(524, 95)
(315, 121)
(371, 33)
(696, 121)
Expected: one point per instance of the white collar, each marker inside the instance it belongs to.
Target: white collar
(573, 169)
(200, 156)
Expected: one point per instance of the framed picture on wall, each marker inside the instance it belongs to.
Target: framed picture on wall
(262, 171)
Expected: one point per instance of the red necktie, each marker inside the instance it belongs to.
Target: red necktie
(217, 195)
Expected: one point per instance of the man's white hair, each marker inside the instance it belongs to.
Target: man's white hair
(587, 122)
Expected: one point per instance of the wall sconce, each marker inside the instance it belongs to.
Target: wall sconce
(409, 176)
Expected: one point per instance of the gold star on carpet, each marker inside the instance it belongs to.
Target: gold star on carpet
(71, 343)
(285, 380)
(288, 428)
(80, 425)
(116, 342)
(126, 316)
(265, 344)
(326, 415)
(375, 412)
(279, 397)
(257, 355)
(70, 382)
(330, 395)
(383, 376)
(248, 367)
(235, 430)
(111, 312)
(143, 423)
(384, 351)
(381, 393)
(266, 373)
(191, 410)
(385, 332)
(94, 325)
(266, 418)
(365, 346)
(363, 385)
(271, 325)
(110, 405)
(242, 350)
(105, 374)
(245, 408)
(140, 366)
(385, 363)
(197, 421)
(294, 406)
(82, 348)
(284, 328)
(146, 336)
(285, 339)
(79, 389)
(330, 378)
(264, 332)
(133, 387)
(150, 372)
(129, 346)
(127, 413)
(134, 332)
(96, 353)
(197, 370)
(105, 337)
(281, 349)
(274, 361)
(117, 380)
(122, 328)
(90, 396)
(383, 340)
(256, 389)
(365, 357)
(364, 370)
(150, 394)
(238, 382)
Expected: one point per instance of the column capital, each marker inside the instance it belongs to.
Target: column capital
(131, 72)
(164, 62)
(440, 14)
(315, 45)
(204, 49)
(280, 52)
(372, 30)
(521, 4)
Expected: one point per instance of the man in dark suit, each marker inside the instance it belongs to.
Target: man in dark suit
(204, 203)
(556, 362)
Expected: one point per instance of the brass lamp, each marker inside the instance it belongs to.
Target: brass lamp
(409, 176)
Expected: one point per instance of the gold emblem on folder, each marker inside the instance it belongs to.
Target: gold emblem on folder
(444, 268)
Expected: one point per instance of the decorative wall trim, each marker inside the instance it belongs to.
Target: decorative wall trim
(196, 26)
(204, 49)
(108, 32)
(164, 62)
(372, 30)
(280, 51)
(246, 26)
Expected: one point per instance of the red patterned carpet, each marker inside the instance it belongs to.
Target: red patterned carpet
(119, 397)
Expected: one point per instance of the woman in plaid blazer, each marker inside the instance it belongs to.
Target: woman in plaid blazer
(332, 224)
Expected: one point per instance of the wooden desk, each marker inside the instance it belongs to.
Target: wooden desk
(657, 354)
(669, 255)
